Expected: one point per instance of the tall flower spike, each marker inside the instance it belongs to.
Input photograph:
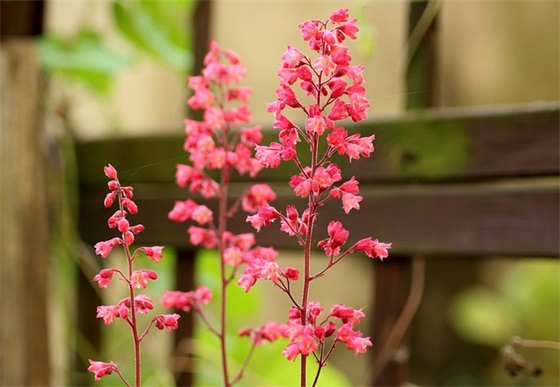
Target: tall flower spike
(330, 90)
(217, 147)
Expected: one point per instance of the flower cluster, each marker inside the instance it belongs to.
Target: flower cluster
(217, 147)
(312, 337)
(129, 307)
(328, 90)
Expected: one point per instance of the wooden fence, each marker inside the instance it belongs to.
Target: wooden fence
(461, 182)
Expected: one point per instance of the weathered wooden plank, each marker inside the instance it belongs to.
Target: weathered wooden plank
(516, 218)
(24, 358)
(459, 144)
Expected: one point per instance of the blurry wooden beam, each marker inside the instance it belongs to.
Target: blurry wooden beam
(24, 357)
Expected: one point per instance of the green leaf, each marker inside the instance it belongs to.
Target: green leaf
(482, 316)
(83, 58)
(156, 28)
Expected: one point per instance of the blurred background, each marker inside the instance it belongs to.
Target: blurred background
(118, 69)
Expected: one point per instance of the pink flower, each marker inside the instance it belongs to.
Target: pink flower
(373, 248)
(101, 369)
(270, 331)
(142, 302)
(292, 57)
(325, 64)
(291, 273)
(110, 312)
(203, 295)
(104, 248)
(353, 339)
(258, 195)
(349, 29)
(202, 236)
(356, 146)
(259, 268)
(291, 351)
(202, 215)
(292, 223)
(182, 210)
(233, 256)
(251, 136)
(265, 215)
(302, 342)
(110, 171)
(167, 321)
(347, 193)
(346, 314)
(187, 300)
(244, 241)
(270, 156)
(316, 125)
(104, 277)
(339, 16)
(337, 237)
(154, 252)
(309, 30)
(139, 278)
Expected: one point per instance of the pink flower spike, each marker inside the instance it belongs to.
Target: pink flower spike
(110, 171)
(167, 321)
(101, 369)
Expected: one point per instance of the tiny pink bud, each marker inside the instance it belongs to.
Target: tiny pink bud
(130, 206)
(291, 273)
(113, 185)
(128, 238)
(109, 199)
(123, 225)
(110, 171)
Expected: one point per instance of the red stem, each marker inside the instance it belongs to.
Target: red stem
(133, 324)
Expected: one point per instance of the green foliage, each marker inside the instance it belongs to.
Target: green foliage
(157, 28)
(268, 367)
(83, 57)
(525, 303)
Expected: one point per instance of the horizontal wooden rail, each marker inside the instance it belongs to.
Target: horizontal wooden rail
(465, 182)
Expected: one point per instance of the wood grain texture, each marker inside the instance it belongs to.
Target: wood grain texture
(24, 358)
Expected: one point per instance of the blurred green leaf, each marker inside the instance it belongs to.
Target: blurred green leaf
(83, 58)
(484, 317)
(157, 29)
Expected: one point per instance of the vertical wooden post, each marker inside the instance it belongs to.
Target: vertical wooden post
(24, 357)
(392, 277)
